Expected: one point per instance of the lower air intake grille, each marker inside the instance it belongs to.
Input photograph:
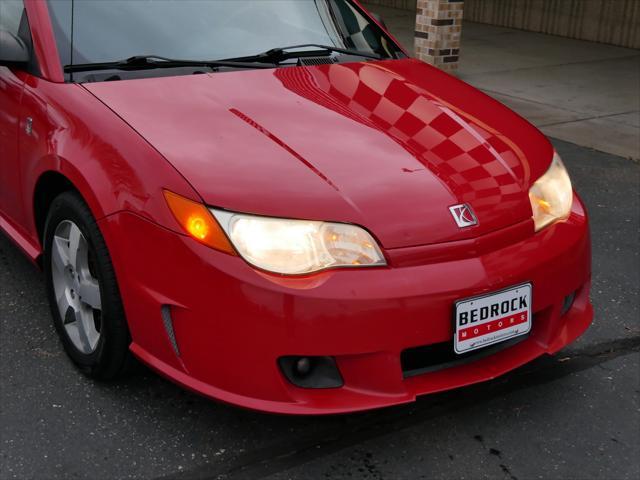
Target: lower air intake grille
(168, 325)
(430, 358)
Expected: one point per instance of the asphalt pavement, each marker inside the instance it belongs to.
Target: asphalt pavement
(572, 416)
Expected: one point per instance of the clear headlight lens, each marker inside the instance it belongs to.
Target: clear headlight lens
(297, 247)
(551, 195)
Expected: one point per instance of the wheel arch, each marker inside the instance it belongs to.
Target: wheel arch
(48, 186)
(53, 181)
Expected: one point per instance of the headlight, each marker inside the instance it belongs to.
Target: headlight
(297, 247)
(551, 195)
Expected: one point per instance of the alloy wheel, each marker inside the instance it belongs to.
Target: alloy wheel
(77, 290)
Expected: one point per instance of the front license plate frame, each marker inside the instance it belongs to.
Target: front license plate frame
(487, 321)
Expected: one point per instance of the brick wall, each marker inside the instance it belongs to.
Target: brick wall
(438, 29)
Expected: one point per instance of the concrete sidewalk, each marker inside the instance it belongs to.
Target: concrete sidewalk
(582, 92)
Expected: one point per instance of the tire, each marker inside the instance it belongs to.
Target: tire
(93, 329)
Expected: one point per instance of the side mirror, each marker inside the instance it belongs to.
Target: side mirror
(13, 50)
(378, 18)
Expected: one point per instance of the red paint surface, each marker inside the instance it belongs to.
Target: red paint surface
(386, 145)
(337, 142)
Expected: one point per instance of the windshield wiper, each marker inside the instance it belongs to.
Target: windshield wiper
(143, 62)
(277, 55)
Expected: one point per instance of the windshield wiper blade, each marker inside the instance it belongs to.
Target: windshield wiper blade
(277, 55)
(143, 62)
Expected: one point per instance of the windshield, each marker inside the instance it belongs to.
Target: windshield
(89, 31)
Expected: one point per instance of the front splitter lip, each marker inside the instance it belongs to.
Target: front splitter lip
(366, 402)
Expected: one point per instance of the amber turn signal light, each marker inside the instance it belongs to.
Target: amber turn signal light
(198, 222)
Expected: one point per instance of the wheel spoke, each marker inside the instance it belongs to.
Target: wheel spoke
(77, 329)
(87, 330)
(81, 329)
(74, 245)
(63, 305)
(89, 292)
(60, 254)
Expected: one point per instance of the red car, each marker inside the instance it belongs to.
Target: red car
(271, 204)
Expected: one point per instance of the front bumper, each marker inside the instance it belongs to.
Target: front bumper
(231, 323)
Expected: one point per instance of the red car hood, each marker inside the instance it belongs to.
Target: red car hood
(387, 145)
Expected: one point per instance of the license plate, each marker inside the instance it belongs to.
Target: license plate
(493, 318)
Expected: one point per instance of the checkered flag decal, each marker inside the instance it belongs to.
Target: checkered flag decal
(480, 168)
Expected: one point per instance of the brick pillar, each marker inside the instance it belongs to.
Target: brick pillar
(438, 27)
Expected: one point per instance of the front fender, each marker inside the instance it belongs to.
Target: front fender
(109, 163)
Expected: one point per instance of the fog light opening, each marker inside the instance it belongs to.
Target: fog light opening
(567, 303)
(303, 366)
(311, 372)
